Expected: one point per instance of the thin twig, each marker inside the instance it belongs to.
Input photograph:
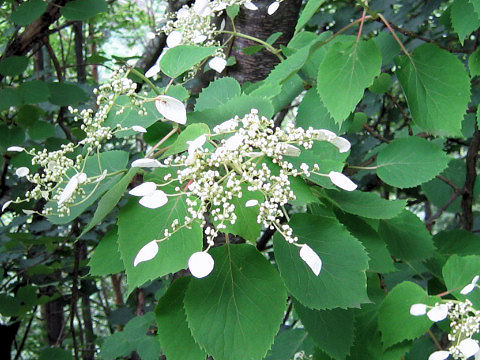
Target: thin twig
(375, 134)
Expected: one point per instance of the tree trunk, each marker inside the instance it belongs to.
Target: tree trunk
(80, 61)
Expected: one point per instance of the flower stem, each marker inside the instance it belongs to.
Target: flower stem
(269, 47)
(147, 80)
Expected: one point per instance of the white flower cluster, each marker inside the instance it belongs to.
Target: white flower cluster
(464, 323)
(56, 165)
(218, 168)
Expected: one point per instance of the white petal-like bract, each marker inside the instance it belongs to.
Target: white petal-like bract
(217, 63)
(418, 309)
(15, 149)
(467, 289)
(291, 150)
(439, 355)
(469, 347)
(252, 202)
(342, 181)
(250, 6)
(438, 313)
(148, 252)
(146, 162)
(154, 70)
(139, 129)
(174, 39)
(273, 7)
(155, 200)
(234, 142)
(202, 7)
(172, 109)
(22, 171)
(145, 189)
(193, 145)
(343, 145)
(311, 258)
(6, 205)
(200, 264)
(81, 177)
(68, 190)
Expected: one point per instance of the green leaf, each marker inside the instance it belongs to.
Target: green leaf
(246, 225)
(388, 46)
(112, 161)
(191, 132)
(474, 63)
(410, 161)
(332, 330)
(232, 11)
(312, 112)
(34, 92)
(218, 93)
(457, 241)
(458, 272)
(309, 10)
(437, 89)
(83, 9)
(380, 260)
(55, 353)
(13, 65)
(28, 11)
(181, 58)
(407, 237)
(111, 198)
(365, 204)
(342, 281)
(41, 130)
(9, 97)
(395, 310)
(248, 298)
(381, 84)
(464, 19)
(106, 257)
(138, 225)
(64, 94)
(288, 342)
(346, 71)
(175, 336)
(9, 306)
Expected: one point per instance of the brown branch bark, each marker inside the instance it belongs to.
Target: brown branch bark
(470, 178)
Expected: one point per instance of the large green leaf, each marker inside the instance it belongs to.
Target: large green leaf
(13, 65)
(34, 92)
(105, 260)
(342, 281)
(365, 204)
(64, 94)
(175, 337)
(464, 18)
(288, 342)
(83, 9)
(458, 272)
(348, 68)
(332, 330)
(457, 241)
(138, 225)
(395, 321)
(312, 112)
(309, 10)
(181, 58)
(243, 299)
(218, 93)
(437, 88)
(410, 161)
(111, 161)
(407, 237)
(28, 11)
(9, 96)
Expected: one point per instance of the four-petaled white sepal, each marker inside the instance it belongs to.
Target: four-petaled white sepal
(6, 205)
(418, 309)
(311, 258)
(172, 109)
(273, 7)
(155, 200)
(439, 355)
(145, 189)
(342, 181)
(343, 145)
(147, 163)
(174, 39)
(148, 252)
(251, 203)
(438, 313)
(470, 287)
(15, 149)
(139, 129)
(291, 150)
(468, 347)
(22, 171)
(234, 142)
(68, 190)
(81, 177)
(218, 64)
(193, 145)
(200, 264)
(250, 6)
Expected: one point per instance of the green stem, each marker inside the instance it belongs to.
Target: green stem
(147, 80)
(269, 47)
